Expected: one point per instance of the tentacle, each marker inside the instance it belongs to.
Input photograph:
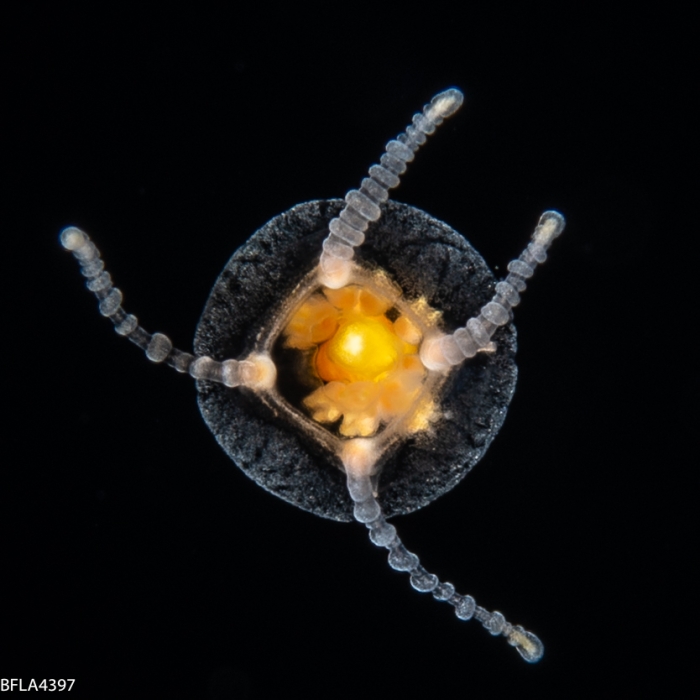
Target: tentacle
(444, 351)
(255, 371)
(368, 512)
(347, 230)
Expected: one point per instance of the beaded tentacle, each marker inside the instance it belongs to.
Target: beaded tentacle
(368, 512)
(347, 230)
(158, 347)
(444, 351)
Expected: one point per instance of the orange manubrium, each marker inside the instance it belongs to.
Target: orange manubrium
(369, 364)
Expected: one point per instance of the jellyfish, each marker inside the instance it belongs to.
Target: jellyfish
(355, 357)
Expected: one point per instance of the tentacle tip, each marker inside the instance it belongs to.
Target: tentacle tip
(72, 238)
(527, 644)
(550, 225)
(446, 103)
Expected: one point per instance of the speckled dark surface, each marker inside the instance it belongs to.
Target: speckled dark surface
(426, 258)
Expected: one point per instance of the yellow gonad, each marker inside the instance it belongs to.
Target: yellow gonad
(368, 363)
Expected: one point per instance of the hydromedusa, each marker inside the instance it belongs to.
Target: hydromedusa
(340, 341)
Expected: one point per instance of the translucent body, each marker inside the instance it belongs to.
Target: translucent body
(412, 263)
(280, 448)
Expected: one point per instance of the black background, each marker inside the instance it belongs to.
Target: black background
(138, 559)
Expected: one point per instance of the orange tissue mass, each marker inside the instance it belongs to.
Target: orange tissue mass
(369, 365)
